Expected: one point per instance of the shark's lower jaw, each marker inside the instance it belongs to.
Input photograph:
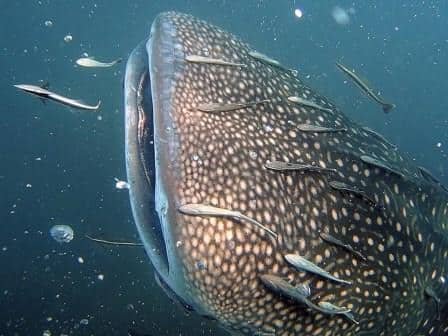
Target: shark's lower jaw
(260, 204)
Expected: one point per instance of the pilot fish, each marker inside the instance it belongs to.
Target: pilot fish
(368, 215)
(45, 94)
(90, 62)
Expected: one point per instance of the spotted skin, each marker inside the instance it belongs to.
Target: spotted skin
(219, 159)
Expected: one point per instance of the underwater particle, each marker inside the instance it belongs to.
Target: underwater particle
(48, 23)
(99, 117)
(46, 333)
(439, 144)
(68, 38)
(298, 13)
(121, 184)
(28, 185)
(84, 322)
(4, 248)
(49, 319)
(62, 233)
(81, 260)
(100, 277)
(178, 243)
(340, 15)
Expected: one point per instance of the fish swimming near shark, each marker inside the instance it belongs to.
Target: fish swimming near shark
(90, 62)
(356, 223)
(365, 87)
(45, 94)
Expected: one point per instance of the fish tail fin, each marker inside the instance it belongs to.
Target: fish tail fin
(388, 107)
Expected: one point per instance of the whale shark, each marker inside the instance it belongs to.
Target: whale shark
(272, 215)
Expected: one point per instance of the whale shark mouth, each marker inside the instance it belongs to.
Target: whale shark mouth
(151, 150)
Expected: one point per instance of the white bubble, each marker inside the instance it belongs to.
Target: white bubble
(81, 260)
(340, 15)
(68, 38)
(100, 277)
(439, 144)
(48, 23)
(84, 322)
(28, 185)
(298, 13)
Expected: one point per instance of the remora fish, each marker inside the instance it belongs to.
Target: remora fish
(178, 155)
(90, 62)
(365, 88)
(46, 94)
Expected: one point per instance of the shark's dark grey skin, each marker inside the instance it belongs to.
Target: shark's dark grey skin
(371, 198)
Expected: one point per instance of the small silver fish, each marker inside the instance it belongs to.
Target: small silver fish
(365, 88)
(299, 295)
(380, 164)
(334, 241)
(343, 187)
(291, 166)
(46, 94)
(90, 62)
(210, 60)
(308, 103)
(378, 136)
(302, 264)
(266, 59)
(332, 309)
(218, 107)
(285, 289)
(319, 129)
(208, 210)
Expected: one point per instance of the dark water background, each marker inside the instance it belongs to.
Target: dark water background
(400, 46)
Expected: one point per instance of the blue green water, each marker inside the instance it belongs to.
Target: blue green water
(57, 166)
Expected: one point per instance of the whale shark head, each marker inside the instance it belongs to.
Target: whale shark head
(261, 205)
